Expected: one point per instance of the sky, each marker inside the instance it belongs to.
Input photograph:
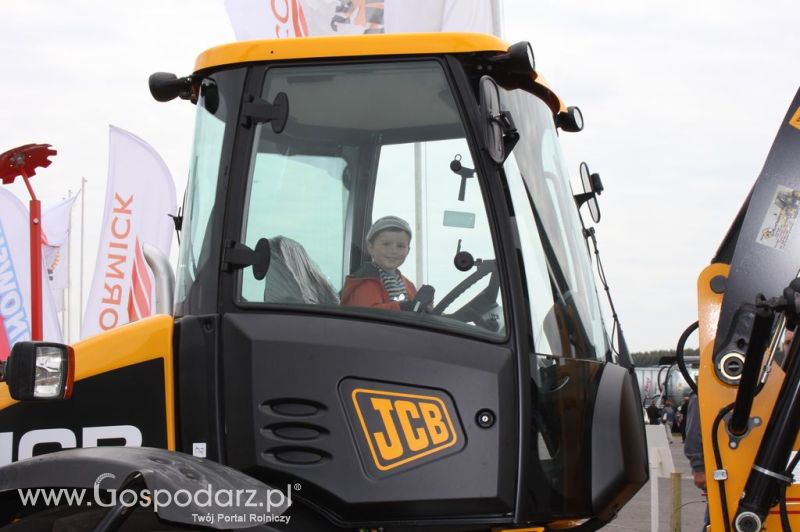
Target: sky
(681, 102)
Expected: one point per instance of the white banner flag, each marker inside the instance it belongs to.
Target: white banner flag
(15, 279)
(257, 19)
(140, 196)
(56, 222)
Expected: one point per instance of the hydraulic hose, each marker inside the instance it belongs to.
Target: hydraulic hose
(784, 511)
(679, 355)
(769, 469)
(723, 498)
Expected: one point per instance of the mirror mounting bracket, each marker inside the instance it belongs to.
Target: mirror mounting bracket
(582, 198)
(238, 255)
(256, 110)
(510, 133)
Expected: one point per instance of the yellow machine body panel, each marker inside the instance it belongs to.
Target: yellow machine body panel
(142, 341)
(714, 396)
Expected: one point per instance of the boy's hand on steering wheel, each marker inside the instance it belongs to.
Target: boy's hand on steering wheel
(423, 302)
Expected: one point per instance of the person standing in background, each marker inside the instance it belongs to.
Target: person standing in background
(693, 447)
(668, 418)
(653, 414)
(680, 417)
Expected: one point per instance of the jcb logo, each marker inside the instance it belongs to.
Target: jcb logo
(401, 427)
(64, 438)
(795, 120)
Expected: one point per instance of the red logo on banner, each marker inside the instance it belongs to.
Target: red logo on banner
(290, 17)
(116, 256)
(140, 296)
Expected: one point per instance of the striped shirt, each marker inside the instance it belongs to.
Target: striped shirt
(393, 283)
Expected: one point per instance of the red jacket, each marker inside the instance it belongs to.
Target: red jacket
(365, 289)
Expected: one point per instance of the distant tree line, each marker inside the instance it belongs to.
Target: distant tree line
(653, 358)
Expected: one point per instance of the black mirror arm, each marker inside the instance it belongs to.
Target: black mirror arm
(2, 371)
(510, 133)
(256, 110)
(237, 255)
(580, 199)
(177, 220)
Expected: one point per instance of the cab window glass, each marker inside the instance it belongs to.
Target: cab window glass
(547, 337)
(363, 204)
(284, 189)
(202, 190)
(564, 304)
(415, 181)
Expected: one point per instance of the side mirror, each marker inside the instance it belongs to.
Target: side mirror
(165, 86)
(490, 108)
(592, 187)
(40, 371)
(500, 133)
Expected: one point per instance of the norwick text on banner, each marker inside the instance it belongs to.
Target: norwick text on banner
(140, 197)
(256, 19)
(15, 283)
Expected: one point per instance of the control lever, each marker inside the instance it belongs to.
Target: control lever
(464, 172)
(463, 261)
(424, 298)
(422, 302)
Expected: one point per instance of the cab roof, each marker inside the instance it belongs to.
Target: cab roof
(359, 46)
(348, 46)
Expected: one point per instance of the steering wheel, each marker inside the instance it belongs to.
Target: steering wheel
(468, 312)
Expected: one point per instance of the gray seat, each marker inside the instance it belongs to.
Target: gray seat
(293, 277)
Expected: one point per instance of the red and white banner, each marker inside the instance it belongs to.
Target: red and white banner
(140, 196)
(56, 221)
(15, 279)
(271, 19)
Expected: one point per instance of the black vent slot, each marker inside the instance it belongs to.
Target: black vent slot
(294, 431)
(297, 456)
(292, 407)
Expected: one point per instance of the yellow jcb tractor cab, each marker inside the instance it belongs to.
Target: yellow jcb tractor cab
(455, 375)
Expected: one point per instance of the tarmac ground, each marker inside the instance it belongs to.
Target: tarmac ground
(636, 514)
